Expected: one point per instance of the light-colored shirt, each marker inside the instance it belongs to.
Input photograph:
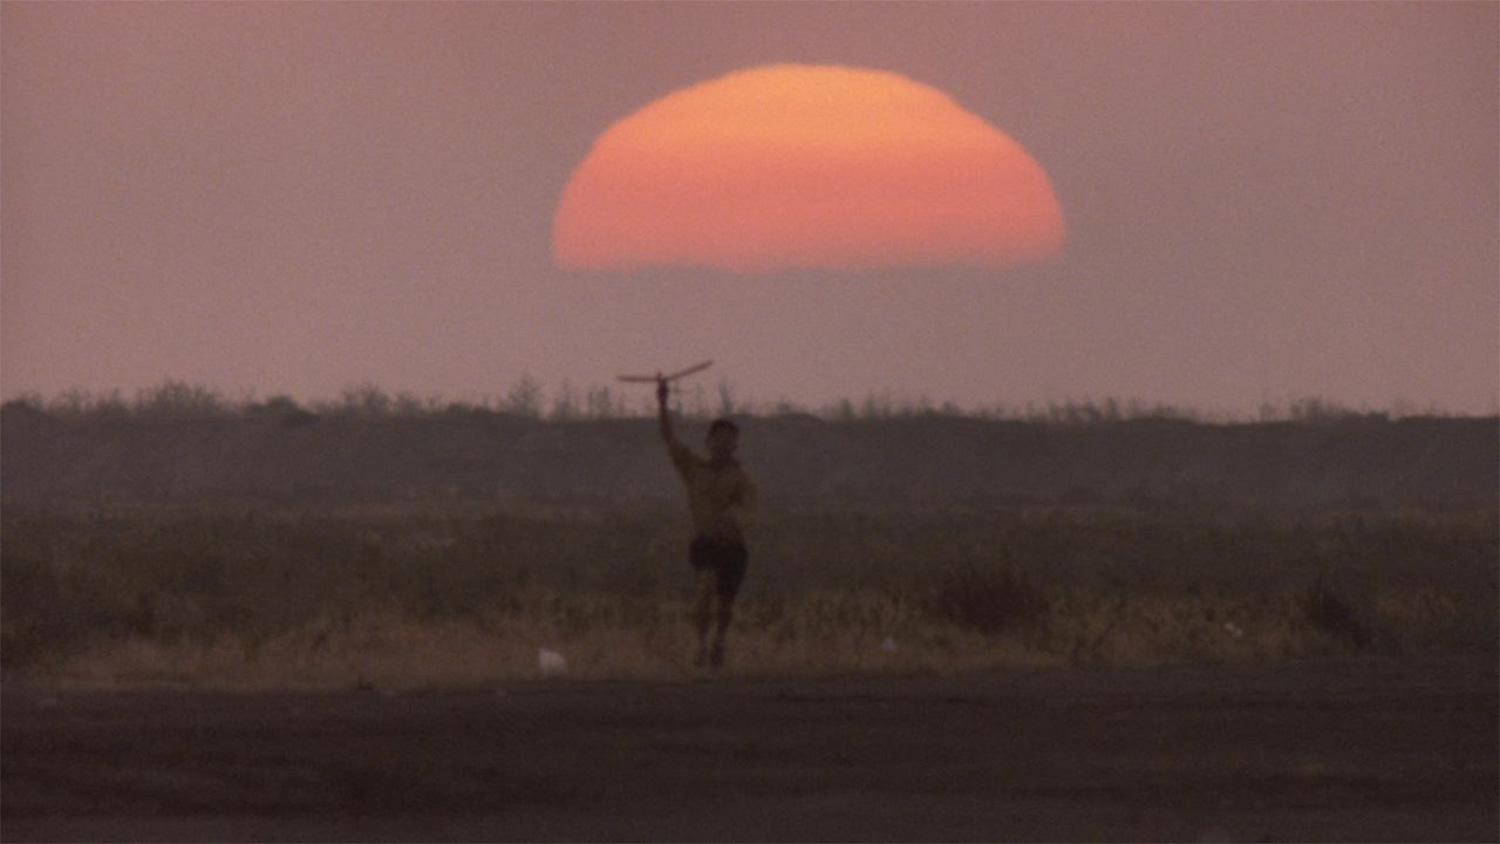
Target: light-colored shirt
(718, 493)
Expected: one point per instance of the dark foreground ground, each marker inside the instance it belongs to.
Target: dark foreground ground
(1350, 749)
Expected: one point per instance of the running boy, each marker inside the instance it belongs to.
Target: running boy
(717, 491)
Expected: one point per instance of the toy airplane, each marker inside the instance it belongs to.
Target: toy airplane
(658, 377)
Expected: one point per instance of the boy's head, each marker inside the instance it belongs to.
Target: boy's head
(723, 438)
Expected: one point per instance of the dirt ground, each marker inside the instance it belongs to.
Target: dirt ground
(1350, 749)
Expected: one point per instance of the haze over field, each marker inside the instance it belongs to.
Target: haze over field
(1263, 202)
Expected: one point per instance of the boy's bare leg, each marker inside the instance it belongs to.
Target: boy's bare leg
(726, 614)
(703, 614)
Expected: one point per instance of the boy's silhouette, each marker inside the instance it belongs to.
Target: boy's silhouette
(718, 490)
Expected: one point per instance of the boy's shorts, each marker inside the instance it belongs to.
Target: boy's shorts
(726, 558)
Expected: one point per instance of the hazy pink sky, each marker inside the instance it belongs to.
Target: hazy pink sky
(1263, 201)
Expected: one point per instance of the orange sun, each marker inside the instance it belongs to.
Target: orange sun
(793, 166)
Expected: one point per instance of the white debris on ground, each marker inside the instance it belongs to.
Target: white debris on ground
(551, 662)
(1234, 630)
(889, 645)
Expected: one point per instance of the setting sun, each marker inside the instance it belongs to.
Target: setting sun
(805, 166)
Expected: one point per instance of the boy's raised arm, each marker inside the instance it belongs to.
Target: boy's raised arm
(663, 418)
(679, 452)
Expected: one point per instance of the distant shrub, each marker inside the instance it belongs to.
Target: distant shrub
(601, 403)
(78, 404)
(180, 400)
(1330, 613)
(27, 402)
(565, 403)
(1313, 409)
(281, 409)
(525, 398)
(362, 400)
(988, 601)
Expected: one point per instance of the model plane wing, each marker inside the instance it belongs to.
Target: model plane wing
(652, 379)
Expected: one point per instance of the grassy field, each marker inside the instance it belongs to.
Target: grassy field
(465, 595)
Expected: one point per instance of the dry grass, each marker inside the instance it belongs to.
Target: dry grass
(818, 634)
(403, 600)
